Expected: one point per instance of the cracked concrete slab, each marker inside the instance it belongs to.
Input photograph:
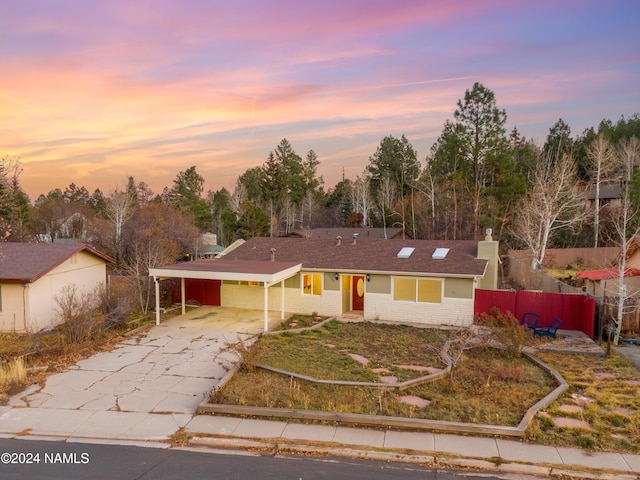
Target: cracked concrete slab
(70, 401)
(171, 368)
(179, 403)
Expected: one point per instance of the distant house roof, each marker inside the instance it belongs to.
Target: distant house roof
(608, 191)
(366, 255)
(346, 233)
(27, 262)
(607, 273)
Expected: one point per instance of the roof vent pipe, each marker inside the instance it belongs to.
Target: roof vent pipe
(273, 254)
(355, 236)
(488, 237)
(338, 241)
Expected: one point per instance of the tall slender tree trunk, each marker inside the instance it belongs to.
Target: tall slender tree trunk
(455, 212)
(596, 211)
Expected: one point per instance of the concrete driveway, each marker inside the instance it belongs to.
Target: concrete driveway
(146, 388)
(169, 369)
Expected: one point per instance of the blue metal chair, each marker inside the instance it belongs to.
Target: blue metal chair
(529, 320)
(548, 330)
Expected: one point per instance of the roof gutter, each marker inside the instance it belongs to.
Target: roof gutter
(395, 273)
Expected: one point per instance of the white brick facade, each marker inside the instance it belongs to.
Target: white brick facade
(452, 311)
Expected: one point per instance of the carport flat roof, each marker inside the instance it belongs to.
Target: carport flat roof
(225, 269)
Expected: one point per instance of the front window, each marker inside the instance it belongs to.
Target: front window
(417, 290)
(312, 284)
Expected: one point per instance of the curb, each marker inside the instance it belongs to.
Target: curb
(433, 460)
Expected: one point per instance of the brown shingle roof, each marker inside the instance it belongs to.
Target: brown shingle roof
(26, 262)
(367, 255)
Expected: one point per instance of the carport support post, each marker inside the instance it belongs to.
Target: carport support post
(182, 295)
(266, 307)
(156, 280)
(282, 300)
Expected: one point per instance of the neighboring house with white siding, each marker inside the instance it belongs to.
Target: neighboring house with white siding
(419, 281)
(33, 274)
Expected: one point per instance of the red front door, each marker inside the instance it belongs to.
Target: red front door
(357, 289)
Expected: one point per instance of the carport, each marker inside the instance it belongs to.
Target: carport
(268, 273)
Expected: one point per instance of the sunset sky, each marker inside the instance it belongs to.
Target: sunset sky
(94, 91)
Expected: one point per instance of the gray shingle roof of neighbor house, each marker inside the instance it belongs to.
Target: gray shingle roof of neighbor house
(345, 232)
(27, 262)
(366, 255)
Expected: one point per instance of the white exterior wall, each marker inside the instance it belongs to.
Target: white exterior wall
(83, 269)
(244, 296)
(13, 307)
(452, 311)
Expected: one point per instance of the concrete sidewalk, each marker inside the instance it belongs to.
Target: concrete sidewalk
(427, 447)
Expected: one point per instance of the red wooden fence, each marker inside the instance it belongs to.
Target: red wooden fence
(577, 312)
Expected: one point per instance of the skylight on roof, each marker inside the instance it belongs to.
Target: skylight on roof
(440, 253)
(405, 252)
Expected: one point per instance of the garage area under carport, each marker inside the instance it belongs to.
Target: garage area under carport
(265, 273)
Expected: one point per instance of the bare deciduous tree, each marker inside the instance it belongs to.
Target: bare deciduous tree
(386, 198)
(120, 207)
(602, 155)
(362, 197)
(627, 156)
(551, 204)
(451, 351)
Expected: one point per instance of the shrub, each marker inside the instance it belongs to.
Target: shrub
(245, 351)
(510, 373)
(506, 330)
(114, 303)
(79, 313)
(12, 373)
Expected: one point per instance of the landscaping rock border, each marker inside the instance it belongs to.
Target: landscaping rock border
(387, 386)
